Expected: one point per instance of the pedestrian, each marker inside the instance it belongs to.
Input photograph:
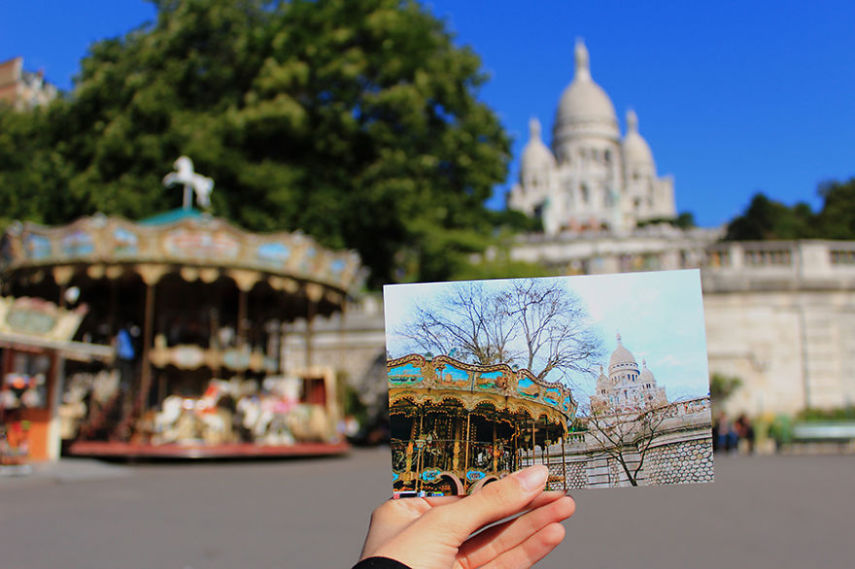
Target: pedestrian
(437, 533)
(727, 437)
(745, 432)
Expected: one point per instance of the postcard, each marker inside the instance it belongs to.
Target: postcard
(602, 378)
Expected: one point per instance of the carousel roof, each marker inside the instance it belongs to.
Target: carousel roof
(444, 379)
(186, 238)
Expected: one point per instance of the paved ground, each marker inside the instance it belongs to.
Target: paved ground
(776, 512)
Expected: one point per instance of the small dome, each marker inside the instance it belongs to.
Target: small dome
(636, 151)
(602, 380)
(584, 108)
(621, 357)
(536, 157)
(646, 376)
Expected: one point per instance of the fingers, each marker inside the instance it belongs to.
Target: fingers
(391, 517)
(498, 500)
(531, 550)
(498, 540)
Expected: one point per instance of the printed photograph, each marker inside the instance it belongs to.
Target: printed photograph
(602, 378)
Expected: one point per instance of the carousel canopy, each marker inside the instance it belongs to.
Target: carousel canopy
(183, 237)
(443, 380)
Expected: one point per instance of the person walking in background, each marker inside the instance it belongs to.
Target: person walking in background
(745, 432)
(726, 436)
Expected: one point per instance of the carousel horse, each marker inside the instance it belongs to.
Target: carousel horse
(185, 176)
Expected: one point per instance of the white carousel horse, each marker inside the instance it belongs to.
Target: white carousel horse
(185, 176)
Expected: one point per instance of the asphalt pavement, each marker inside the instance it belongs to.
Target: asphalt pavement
(762, 512)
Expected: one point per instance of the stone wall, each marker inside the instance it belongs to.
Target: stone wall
(680, 453)
(681, 463)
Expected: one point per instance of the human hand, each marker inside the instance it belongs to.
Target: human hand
(434, 533)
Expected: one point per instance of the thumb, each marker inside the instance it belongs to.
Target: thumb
(496, 501)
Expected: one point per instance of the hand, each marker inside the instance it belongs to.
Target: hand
(434, 533)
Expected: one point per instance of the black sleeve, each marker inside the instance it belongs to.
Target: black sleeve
(380, 563)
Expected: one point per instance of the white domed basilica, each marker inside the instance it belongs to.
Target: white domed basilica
(626, 388)
(592, 179)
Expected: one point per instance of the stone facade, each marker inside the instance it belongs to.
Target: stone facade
(23, 89)
(779, 315)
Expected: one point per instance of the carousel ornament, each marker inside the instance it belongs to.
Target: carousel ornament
(190, 180)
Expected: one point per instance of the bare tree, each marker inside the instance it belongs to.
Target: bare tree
(554, 325)
(469, 322)
(531, 323)
(625, 434)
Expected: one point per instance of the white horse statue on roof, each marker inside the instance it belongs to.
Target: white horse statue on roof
(190, 180)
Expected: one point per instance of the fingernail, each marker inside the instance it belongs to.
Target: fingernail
(532, 477)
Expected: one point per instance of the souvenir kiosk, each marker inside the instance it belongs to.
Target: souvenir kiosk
(194, 309)
(457, 426)
(35, 343)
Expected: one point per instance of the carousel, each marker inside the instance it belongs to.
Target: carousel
(195, 310)
(456, 426)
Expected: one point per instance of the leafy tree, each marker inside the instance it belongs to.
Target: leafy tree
(357, 122)
(837, 217)
(723, 386)
(769, 219)
(686, 220)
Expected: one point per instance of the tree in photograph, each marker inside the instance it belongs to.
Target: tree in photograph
(554, 327)
(529, 323)
(624, 434)
(469, 323)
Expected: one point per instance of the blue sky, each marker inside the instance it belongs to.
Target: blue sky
(659, 316)
(733, 97)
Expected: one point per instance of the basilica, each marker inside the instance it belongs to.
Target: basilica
(592, 179)
(626, 388)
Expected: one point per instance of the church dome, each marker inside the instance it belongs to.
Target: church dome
(646, 376)
(584, 108)
(636, 151)
(602, 380)
(536, 157)
(621, 357)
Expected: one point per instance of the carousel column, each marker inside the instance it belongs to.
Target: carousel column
(314, 293)
(62, 276)
(150, 274)
(468, 430)
(495, 455)
(458, 432)
(533, 440)
(563, 464)
(245, 281)
(413, 435)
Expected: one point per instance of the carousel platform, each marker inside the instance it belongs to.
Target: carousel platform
(133, 451)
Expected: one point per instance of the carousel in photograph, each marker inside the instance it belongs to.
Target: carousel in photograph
(456, 426)
(193, 310)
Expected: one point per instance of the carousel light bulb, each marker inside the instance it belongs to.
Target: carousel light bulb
(72, 294)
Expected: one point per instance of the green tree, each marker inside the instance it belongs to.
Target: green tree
(837, 217)
(357, 122)
(769, 219)
(722, 386)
